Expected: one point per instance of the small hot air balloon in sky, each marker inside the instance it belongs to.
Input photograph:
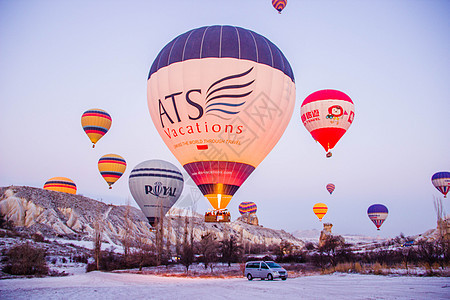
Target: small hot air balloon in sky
(279, 5)
(320, 209)
(330, 188)
(111, 166)
(155, 185)
(220, 98)
(327, 114)
(377, 213)
(441, 181)
(247, 207)
(61, 184)
(96, 123)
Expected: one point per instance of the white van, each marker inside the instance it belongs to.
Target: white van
(264, 269)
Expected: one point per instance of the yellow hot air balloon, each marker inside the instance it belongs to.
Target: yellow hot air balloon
(220, 97)
(96, 123)
(111, 166)
(61, 184)
(320, 209)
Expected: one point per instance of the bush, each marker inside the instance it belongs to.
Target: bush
(26, 260)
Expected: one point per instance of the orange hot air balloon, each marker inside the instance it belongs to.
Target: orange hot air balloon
(96, 123)
(111, 167)
(220, 97)
(327, 114)
(320, 209)
(279, 5)
(61, 184)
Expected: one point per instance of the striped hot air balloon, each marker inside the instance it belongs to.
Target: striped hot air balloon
(155, 185)
(327, 114)
(320, 209)
(247, 207)
(377, 214)
(330, 188)
(111, 167)
(441, 181)
(96, 123)
(279, 5)
(61, 184)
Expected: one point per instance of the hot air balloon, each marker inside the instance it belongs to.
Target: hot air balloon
(220, 97)
(155, 185)
(330, 188)
(279, 5)
(441, 181)
(111, 166)
(96, 123)
(320, 209)
(327, 114)
(247, 207)
(377, 213)
(61, 184)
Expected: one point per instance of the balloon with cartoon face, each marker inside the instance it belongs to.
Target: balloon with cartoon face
(327, 115)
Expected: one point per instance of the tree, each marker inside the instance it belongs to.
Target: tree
(187, 249)
(98, 229)
(231, 251)
(208, 248)
(126, 236)
(26, 260)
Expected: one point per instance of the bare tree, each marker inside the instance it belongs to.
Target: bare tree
(98, 230)
(128, 226)
(208, 247)
(187, 251)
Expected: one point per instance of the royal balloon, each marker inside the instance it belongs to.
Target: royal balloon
(220, 98)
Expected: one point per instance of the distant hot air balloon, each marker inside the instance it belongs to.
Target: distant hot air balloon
(155, 185)
(279, 5)
(96, 123)
(220, 97)
(327, 114)
(111, 166)
(441, 181)
(61, 184)
(320, 209)
(377, 213)
(247, 207)
(330, 188)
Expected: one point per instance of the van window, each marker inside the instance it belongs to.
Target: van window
(253, 265)
(264, 266)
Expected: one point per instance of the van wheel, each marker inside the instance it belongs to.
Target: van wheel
(269, 276)
(249, 276)
(284, 278)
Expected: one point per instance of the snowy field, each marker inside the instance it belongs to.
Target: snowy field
(99, 285)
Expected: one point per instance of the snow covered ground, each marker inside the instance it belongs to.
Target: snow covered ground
(99, 285)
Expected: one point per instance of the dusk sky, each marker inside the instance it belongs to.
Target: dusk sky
(61, 58)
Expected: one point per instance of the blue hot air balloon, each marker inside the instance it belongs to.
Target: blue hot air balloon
(377, 214)
(441, 181)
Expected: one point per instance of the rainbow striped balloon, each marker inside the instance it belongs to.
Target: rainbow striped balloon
(279, 5)
(330, 188)
(61, 184)
(111, 166)
(320, 209)
(96, 123)
(247, 207)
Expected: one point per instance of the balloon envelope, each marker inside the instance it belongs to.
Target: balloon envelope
(247, 207)
(441, 181)
(61, 184)
(155, 185)
(220, 97)
(377, 213)
(327, 114)
(279, 4)
(111, 167)
(330, 188)
(320, 209)
(96, 123)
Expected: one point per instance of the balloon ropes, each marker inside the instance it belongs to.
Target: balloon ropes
(327, 115)
(441, 181)
(247, 207)
(330, 188)
(279, 5)
(320, 209)
(111, 167)
(155, 185)
(220, 98)
(377, 214)
(61, 184)
(96, 123)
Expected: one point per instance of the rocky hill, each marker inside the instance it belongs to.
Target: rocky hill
(55, 214)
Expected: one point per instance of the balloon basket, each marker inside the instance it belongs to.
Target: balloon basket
(329, 154)
(217, 216)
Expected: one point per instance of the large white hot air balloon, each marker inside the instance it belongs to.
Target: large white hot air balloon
(155, 185)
